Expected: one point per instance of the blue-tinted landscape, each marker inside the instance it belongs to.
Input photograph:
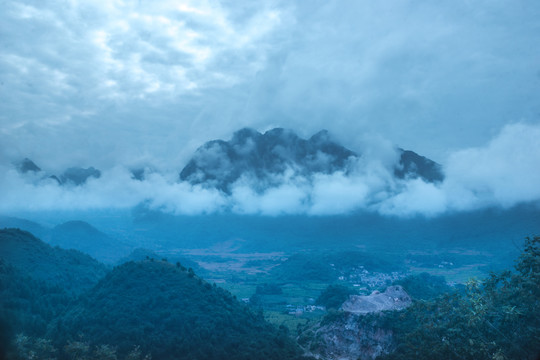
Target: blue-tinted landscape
(280, 180)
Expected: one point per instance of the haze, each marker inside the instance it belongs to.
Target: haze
(127, 84)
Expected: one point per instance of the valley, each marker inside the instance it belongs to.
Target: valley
(298, 291)
(253, 250)
(241, 254)
(269, 180)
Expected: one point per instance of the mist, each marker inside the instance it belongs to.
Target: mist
(502, 173)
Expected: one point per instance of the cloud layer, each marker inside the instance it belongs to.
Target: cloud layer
(505, 172)
(135, 82)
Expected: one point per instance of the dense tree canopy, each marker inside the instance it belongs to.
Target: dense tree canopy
(171, 313)
(333, 296)
(497, 318)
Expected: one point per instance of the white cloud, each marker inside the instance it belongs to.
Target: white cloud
(505, 172)
(94, 83)
(288, 198)
(338, 194)
(416, 197)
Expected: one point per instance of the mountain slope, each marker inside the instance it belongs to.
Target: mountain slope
(70, 269)
(79, 175)
(80, 235)
(170, 313)
(27, 165)
(249, 153)
(141, 254)
(413, 165)
(36, 229)
(26, 304)
(267, 157)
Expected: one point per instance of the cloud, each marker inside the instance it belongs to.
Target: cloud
(125, 82)
(123, 73)
(288, 198)
(503, 173)
(115, 189)
(337, 194)
(416, 197)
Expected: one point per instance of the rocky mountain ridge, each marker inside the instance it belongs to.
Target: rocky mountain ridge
(71, 176)
(357, 331)
(266, 156)
(393, 298)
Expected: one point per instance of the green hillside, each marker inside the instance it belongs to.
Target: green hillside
(171, 313)
(84, 237)
(70, 269)
(28, 305)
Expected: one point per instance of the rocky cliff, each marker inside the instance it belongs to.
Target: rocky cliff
(357, 331)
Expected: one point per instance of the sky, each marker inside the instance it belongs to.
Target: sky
(120, 84)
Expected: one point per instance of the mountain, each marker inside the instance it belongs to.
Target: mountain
(70, 269)
(140, 254)
(171, 313)
(359, 330)
(35, 228)
(72, 175)
(79, 175)
(80, 235)
(77, 235)
(249, 153)
(347, 336)
(413, 165)
(27, 165)
(26, 304)
(264, 157)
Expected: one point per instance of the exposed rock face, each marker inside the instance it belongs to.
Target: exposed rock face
(220, 163)
(27, 165)
(74, 175)
(78, 175)
(350, 337)
(357, 332)
(412, 165)
(266, 157)
(394, 298)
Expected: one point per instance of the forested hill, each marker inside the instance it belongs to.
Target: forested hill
(68, 305)
(70, 269)
(170, 312)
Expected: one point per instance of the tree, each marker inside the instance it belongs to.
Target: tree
(496, 318)
(333, 296)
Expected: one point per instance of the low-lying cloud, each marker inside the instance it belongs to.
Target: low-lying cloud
(503, 173)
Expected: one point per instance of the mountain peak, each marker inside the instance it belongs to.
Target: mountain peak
(79, 175)
(27, 165)
(263, 157)
(413, 165)
(242, 135)
(321, 136)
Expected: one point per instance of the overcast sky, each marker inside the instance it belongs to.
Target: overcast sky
(101, 83)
